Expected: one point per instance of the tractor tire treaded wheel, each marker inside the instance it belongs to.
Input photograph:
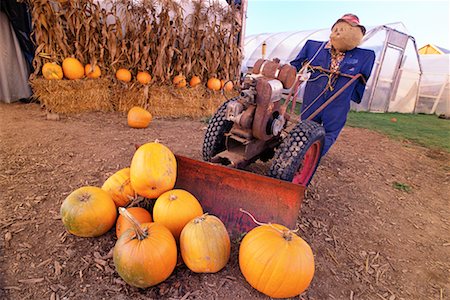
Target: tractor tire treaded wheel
(218, 125)
(289, 155)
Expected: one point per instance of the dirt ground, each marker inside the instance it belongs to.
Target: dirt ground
(372, 237)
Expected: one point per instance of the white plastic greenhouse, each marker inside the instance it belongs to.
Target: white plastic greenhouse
(401, 81)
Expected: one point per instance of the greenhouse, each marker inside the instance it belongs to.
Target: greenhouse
(401, 81)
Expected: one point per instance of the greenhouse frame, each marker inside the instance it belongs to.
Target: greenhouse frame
(401, 81)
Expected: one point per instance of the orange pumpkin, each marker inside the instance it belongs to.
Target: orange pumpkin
(92, 72)
(143, 77)
(88, 212)
(205, 244)
(139, 213)
(146, 255)
(275, 261)
(153, 170)
(228, 86)
(213, 84)
(119, 187)
(179, 81)
(175, 208)
(52, 71)
(123, 75)
(72, 68)
(195, 80)
(139, 117)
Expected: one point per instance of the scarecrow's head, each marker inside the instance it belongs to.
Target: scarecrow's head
(347, 33)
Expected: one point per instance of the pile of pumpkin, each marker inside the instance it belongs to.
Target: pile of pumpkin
(272, 258)
(73, 69)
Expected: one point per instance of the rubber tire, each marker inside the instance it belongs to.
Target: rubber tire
(289, 155)
(214, 140)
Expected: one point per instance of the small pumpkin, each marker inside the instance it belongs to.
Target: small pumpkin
(179, 81)
(143, 77)
(276, 261)
(195, 80)
(153, 170)
(52, 71)
(228, 86)
(123, 75)
(88, 212)
(205, 244)
(175, 208)
(138, 117)
(118, 185)
(92, 72)
(140, 214)
(145, 255)
(72, 68)
(214, 84)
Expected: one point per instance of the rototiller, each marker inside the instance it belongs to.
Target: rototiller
(260, 123)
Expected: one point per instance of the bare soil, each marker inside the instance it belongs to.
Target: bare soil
(372, 237)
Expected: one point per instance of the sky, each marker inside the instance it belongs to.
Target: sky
(426, 21)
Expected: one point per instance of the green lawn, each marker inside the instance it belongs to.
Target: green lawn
(426, 130)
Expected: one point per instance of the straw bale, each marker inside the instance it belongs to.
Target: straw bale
(170, 102)
(73, 96)
(163, 101)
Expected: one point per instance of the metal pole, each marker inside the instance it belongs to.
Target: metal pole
(244, 4)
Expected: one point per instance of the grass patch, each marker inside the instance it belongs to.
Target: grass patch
(401, 186)
(425, 130)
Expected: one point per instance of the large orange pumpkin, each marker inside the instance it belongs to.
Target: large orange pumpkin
(139, 117)
(143, 77)
(123, 75)
(146, 255)
(214, 84)
(179, 81)
(153, 170)
(72, 68)
(52, 71)
(88, 212)
(140, 214)
(119, 187)
(92, 72)
(175, 208)
(205, 244)
(275, 261)
(195, 80)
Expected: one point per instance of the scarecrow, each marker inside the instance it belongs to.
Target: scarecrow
(329, 64)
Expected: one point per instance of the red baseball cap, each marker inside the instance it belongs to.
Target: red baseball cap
(352, 20)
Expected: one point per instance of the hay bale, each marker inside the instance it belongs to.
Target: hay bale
(170, 102)
(106, 94)
(73, 96)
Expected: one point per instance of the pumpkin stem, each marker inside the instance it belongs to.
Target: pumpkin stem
(84, 197)
(287, 234)
(141, 234)
(201, 218)
(253, 218)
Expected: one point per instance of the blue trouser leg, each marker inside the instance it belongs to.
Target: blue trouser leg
(333, 120)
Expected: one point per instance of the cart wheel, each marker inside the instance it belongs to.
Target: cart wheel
(214, 141)
(298, 156)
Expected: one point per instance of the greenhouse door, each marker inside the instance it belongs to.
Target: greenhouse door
(385, 84)
(387, 78)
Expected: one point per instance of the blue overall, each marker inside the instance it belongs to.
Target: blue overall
(334, 116)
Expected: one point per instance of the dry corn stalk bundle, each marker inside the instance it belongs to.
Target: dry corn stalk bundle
(162, 37)
(139, 35)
